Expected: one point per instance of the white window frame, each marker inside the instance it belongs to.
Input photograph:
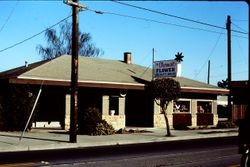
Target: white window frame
(204, 100)
(185, 100)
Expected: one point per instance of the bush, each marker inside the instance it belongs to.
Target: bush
(91, 123)
(103, 128)
(226, 124)
(15, 108)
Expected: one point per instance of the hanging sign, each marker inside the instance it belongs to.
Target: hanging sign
(164, 68)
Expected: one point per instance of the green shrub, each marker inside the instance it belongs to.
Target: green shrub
(16, 107)
(225, 124)
(103, 128)
(90, 122)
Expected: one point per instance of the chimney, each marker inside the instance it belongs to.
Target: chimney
(127, 57)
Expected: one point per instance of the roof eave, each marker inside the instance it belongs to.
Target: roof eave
(87, 84)
(217, 91)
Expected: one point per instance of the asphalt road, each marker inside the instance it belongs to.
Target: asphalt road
(200, 152)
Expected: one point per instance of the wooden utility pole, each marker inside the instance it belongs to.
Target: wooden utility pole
(74, 69)
(74, 76)
(208, 72)
(153, 63)
(248, 61)
(229, 72)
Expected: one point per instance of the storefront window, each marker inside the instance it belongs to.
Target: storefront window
(181, 106)
(204, 107)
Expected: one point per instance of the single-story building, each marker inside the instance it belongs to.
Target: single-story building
(117, 88)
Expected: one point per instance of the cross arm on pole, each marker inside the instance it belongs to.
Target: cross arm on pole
(75, 4)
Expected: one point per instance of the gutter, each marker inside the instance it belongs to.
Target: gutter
(92, 84)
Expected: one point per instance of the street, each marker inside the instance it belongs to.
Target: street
(201, 152)
(209, 158)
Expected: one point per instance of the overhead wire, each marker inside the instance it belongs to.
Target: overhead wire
(35, 35)
(9, 16)
(225, 75)
(151, 20)
(210, 54)
(159, 22)
(134, 17)
(174, 16)
(238, 27)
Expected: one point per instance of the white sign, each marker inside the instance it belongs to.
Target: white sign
(164, 68)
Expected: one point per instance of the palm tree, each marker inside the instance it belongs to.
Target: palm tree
(179, 57)
(62, 44)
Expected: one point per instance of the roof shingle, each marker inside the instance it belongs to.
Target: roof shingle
(96, 70)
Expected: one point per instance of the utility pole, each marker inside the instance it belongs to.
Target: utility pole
(74, 77)
(74, 70)
(208, 72)
(248, 61)
(153, 63)
(229, 72)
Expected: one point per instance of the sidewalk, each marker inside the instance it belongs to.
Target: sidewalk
(40, 139)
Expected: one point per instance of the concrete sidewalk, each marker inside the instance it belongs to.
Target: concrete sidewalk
(40, 139)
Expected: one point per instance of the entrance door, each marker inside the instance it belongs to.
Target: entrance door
(139, 109)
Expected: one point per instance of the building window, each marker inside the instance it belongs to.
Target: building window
(204, 107)
(113, 105)
(181, 106)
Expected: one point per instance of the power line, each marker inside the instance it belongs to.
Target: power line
(122, 15)
(159, 22)
(9, 16)
(151, 20)
(240, 20)
(216, 43)
(225, 75)
(33, 36)
(174, 16)
(238, 27)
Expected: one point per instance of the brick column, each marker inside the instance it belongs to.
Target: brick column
(105, 105)
(67, 112)
(121, 107)
(194, 113)
(159, 121)
(214, 111)
(117, 121)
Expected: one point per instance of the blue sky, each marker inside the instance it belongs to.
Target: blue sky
(116, 34)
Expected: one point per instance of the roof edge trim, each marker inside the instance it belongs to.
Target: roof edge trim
(198, 88)
(81, 81)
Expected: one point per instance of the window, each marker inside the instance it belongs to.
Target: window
(113, 105)
(204, 107)
(181, 106)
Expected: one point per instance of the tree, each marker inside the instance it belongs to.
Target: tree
(60, 44)
(179, 57)
(223, 84)
(165, 90)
